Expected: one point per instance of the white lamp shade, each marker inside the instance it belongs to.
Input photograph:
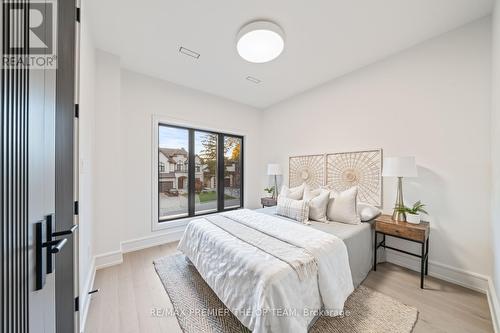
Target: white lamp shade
(273, 169)
(400, 167)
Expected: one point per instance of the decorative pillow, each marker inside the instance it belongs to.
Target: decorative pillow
(342, 208)
(297, 210)
(318, 203)
(368, 212)
(295, 193)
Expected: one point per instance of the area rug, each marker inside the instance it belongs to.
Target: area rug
(198, 309)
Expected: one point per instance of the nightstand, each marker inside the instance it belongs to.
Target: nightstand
(268, 202)
(418, 233)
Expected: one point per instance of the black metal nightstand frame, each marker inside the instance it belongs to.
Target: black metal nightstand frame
(424, 256)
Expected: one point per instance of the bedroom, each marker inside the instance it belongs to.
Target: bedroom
(268, 166)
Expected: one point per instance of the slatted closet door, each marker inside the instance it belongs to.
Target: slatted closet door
(14, 286)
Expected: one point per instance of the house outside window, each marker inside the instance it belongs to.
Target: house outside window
(193, 162)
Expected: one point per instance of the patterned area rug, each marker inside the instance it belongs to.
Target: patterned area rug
(198, 309)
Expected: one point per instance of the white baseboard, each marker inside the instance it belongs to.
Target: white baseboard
(441, 271)
(494, 305)
(116, 257)
(108, 259)
(142, 243)
(85, 297)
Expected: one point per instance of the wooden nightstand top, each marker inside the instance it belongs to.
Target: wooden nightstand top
(268, 202)
(417, 232)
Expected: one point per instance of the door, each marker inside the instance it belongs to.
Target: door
(37, 233)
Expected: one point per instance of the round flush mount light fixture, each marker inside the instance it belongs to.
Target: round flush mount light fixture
(260, 41)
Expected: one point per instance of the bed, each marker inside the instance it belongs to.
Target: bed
(256, 280)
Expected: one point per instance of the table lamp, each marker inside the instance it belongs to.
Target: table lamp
(274, 170)
(399, 167)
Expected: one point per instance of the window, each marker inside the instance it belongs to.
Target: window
(173, 148)
(206, 172)
(232, 171)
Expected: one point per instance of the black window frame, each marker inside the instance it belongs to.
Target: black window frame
(192, 172)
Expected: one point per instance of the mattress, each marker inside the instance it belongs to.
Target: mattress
(359, 240)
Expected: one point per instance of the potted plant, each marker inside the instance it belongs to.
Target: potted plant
(270, 191)
(413, 213)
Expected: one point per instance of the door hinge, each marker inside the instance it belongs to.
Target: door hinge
(77, 304)
(77, 110)
(77, 207)
(78, 13)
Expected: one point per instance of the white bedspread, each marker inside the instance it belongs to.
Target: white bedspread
(263, 292)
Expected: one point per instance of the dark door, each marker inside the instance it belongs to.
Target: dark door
(66, 265)
(36, 143)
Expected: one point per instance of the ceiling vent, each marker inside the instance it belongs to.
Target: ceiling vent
(188, 52)
(253, 79)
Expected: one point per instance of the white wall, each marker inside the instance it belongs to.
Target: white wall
(431, 101)
(108, 180)
(86, 143)
(495, 151)
(86, 161)
(126, 103)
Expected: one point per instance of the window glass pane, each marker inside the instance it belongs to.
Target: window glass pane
(172, 172)
(232, 172)
(205, 185)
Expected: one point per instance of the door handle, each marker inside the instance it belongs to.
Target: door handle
(55, 246)
(46, 246)
(50, 222)
(40, 254)
(58, 244)
(65, 232)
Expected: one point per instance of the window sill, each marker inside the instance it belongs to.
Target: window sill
(183, 221)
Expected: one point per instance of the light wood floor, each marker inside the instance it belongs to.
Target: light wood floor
(131, 291)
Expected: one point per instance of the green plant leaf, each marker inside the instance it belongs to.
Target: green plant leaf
(402, 209)
(418, 207)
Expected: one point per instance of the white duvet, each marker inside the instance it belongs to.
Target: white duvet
(263, 292)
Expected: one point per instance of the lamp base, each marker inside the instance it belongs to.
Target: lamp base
(397, 215)
(275, 192)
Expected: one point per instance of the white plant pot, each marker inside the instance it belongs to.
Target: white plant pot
(413, 218)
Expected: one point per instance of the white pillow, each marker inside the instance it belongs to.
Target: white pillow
(368, 212)
(295, 193)
(318, 203)
(297, 210)
(310, 194)
(342, 208)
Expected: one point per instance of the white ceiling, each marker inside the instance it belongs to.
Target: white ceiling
(324, 39)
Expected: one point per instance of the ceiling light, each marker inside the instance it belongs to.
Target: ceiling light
(188, 52)
(260, 41)
(253, 79)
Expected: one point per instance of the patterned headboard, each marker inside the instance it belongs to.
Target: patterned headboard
(340, 171)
